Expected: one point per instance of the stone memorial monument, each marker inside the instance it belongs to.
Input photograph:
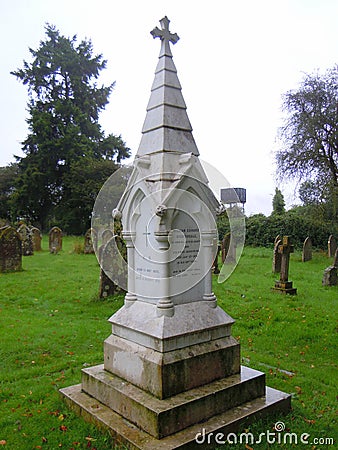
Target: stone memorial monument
(284, 286)
(307, 250)
(55, 240)
(171, 366)
(10, 250)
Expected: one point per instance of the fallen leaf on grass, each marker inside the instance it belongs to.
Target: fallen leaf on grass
(311, 421)
(63, 428)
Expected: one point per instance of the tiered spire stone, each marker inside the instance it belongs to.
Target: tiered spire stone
(166, 127)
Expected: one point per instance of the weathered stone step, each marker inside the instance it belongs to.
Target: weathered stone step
(126, 433)
(164, 417)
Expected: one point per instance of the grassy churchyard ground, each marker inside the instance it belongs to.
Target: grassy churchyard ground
(52, 325)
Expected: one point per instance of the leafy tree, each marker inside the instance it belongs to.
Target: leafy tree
(64, 106)
(8, 175)
(309, 137)
(278, 203)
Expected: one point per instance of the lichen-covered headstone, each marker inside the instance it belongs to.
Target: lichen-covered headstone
(331, 246)
(330, 276)
(36, 237)
(307, 250)
(215, 268)
(113, 274)
(10, 250)
(90, 241)
(106, 236)
(55, 240)
(228, 249)
(27, 240)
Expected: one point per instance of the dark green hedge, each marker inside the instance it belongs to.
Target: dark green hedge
(262, 230)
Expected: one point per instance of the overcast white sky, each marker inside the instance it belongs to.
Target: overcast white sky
(234, 59)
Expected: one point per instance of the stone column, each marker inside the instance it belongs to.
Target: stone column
(208, 242)
(130, 296)
(165, 306)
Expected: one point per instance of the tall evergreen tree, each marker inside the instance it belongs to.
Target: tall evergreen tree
(278, 203)
(64, 106)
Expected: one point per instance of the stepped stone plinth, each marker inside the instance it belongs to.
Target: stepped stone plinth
(171, 365)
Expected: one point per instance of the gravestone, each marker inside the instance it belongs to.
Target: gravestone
(215, 267)
(331, 246)
(277, 257)
(10, 250)
(90, 241)
(113, 273)
(228, 249)
(284, 286)
(307, 250)
(36, 238)
(26, 239)
(106, 236)
(277, 239)
(330, 277)
(171, 364)
(55, 240)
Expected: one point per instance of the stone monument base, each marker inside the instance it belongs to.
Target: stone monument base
(285, 287)
(165, 379)
(148, 423)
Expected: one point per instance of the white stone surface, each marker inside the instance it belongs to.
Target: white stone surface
(192, 323)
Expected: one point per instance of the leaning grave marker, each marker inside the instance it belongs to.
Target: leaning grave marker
(170, 362)
(113, 268)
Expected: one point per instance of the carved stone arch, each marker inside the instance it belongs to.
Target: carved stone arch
(134, 209)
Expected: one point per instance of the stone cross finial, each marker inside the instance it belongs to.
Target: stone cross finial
(165, 35)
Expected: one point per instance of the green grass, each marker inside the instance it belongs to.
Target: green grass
(293, 339)
(52, 325)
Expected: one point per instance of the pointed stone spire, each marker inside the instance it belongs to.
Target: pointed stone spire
(166, 127)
